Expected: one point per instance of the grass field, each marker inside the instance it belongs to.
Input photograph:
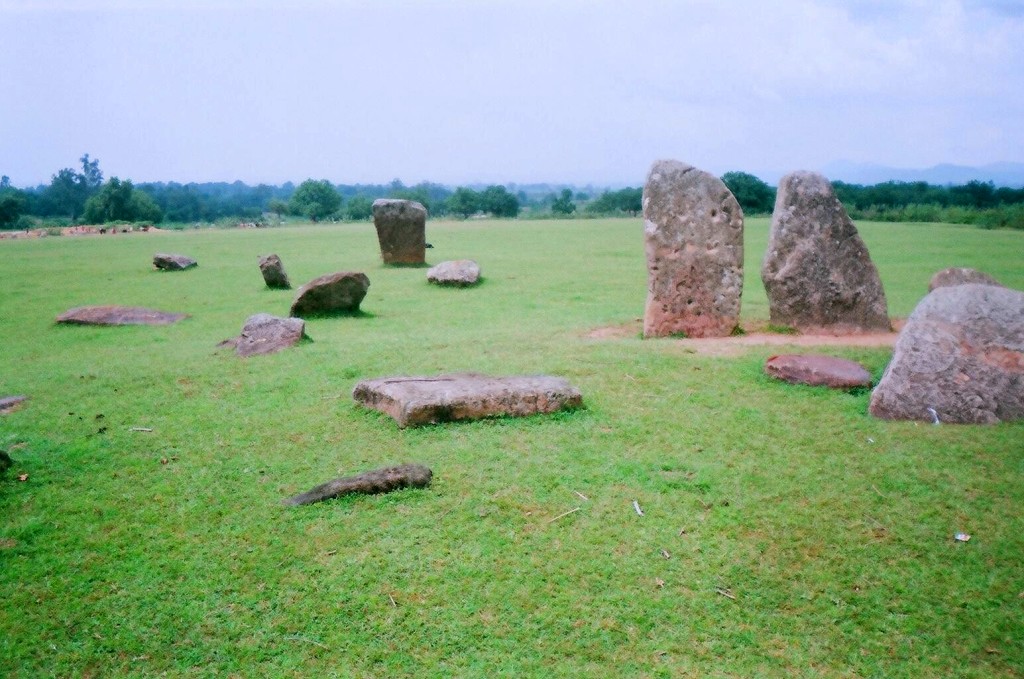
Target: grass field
(786, 533)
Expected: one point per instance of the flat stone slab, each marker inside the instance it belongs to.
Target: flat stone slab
(331, 294)
(266, 334)
(384, 480)
(458, 273)
(10, 403)
(118, 315)
(170, 262)
(465, 396)
(818, 370)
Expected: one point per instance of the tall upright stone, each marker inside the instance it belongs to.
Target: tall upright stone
(693, 233)
(817, 271)
(401, 230)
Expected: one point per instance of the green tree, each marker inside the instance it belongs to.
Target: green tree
(753, 194)
(315, 199)
(464, 202)
(360, 207)
(277, 206)
(66, 194)
(499, 202)
(12, 205)
(120, 201)
(563, 205)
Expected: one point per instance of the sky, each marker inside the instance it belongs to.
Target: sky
(502, 91)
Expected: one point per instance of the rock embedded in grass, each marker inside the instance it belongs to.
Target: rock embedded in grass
(331, 294)
(9, 403)
(273, 272)
(401, 230)
(423, 400)
(961, 355)
(817, 271)
(958, 276)
(172, 262)
(693, 233)
(267, 334)
(384, 480)
(118, 315)
(458, 273)
(818, 370)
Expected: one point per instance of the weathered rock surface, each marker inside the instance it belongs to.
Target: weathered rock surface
(9, 403)
(368, 483)
(331, 294)
(458, 272)
(958, 276)
(465, 396)
(961, 354)
(817, 370)
(118, 315)
(170, 262)
(401, 230)
(273, 272)
(266, 334)
(693, 233)
(817, 270)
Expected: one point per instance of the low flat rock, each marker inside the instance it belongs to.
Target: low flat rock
(331, 294)
(959, 359)
(10, 403)
(266, 334)
(170, 262)
(465, 396)
(273, 273)
(457, 272)
(384, 480)
(118, 315)
(818, 370)
(958, 275)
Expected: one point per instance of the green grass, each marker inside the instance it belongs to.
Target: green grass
(832, 530)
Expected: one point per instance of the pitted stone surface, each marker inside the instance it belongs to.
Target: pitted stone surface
(693, 233)
(401, 230)
(118, 315)
(960, 354)
(170, 262)
(331, 294)
(817, 370)
(266, 334)
(459, 272)
(958, 276)
(273, 272)
(415, 401)
(817, 271)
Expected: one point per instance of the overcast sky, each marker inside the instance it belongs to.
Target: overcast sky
(456, 91)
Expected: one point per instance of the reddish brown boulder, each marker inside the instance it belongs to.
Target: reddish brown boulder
(168, 262)
(958, 276)
(401, 230)
(465, 396)
(273, 272)
(459, 273)
(693, 236)
(817, 271)
(959, 359)
(118, 315)
(331, 294)
(373, 482)
(266, 334)
(817, 370)
(10, 403)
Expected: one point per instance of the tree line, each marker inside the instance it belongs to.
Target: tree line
(80, 195)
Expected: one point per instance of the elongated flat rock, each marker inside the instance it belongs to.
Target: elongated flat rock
(383, 480)
(416, 401)
(817, 370)
(172, 262)
(118, 315)
(9, 403)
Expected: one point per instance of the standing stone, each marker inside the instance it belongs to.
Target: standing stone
(171, 262)
(458, 272)
(693, 229)
(401, 230)
(331, 294)
(273, 272)
(817, 270)
(959, 359)
(958, 276)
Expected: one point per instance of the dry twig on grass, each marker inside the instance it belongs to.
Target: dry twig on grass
(636, 506)
(575, 509)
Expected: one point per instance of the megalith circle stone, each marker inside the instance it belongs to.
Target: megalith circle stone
(267, 334)
(331, 294)
(693, 233)
(457, 272)
(273, 272)
(817, 271)
(172, 262)
(401, 230)
(956, 275)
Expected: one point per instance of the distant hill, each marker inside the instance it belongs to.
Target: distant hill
(1000, 174)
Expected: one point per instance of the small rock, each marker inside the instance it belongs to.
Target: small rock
(958, 276)
(10, 403)
(331, 294)
(459, 272)
(383, 480)
(273, 272)
(170, 262)
(818, 371)
(266, 334)
(118, 315)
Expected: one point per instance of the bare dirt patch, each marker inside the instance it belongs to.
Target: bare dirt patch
(756, 334)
